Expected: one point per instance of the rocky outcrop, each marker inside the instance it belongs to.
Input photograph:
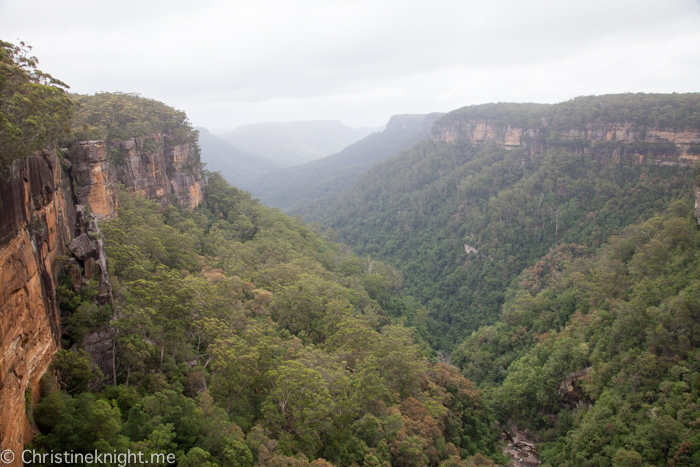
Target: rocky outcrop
(520, 447)
(33, 233)
(94, 182)
(571, 392)
(150, 166)
(662, 146)
(89, 256)
(160, 171)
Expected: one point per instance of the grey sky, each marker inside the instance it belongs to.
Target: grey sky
(227, 63)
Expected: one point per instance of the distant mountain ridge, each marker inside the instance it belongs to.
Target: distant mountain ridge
(238, 167)
(293, 143)
(304, 188)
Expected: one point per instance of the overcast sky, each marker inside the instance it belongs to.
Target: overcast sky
(232, 62)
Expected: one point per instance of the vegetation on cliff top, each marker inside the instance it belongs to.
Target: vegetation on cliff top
(35, 109)
(116, 115)
(666, 111)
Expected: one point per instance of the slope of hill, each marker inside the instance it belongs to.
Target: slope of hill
(238, 167)
(463, 214)
(294, 143)
(304, 188)
(597, 354)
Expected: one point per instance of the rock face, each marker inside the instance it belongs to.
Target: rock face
(160, 171)
(658, 145)
(46, 216)
(33, 232)
(697, 204)
(520, 447)
(94, 184)
(150, 166)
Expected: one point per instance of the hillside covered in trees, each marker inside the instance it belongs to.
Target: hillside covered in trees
(308, 187)
(243, 337)
(562, 280)
(598, 352)
(461, 220)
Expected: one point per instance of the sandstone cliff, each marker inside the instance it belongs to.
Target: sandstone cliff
(149, 166)
(160, 171)
(662, 129)
(33, 233)
(659, 145)
(48, 225)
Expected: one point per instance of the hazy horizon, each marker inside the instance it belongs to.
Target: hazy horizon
(233, 63)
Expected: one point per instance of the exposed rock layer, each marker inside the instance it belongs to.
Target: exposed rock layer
(94, 184)
(658, 145)
(45, 215)
(160, 171)
(151, 167)
(34, 230)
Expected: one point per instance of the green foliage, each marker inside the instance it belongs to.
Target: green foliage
(423, 210)
(666, 111)
(599, 353)
(122, 116)
(35, 109)
(243, 337)
(75, 371)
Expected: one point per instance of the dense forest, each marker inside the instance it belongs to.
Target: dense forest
(462, 220)
(563, 283)
(244, 337)
(240, 335)
(598, 353)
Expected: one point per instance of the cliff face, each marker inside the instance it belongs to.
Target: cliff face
(154, 169)
(45, 215)
(663, 145)
(94, 184)
(160, 171)
(33, 232)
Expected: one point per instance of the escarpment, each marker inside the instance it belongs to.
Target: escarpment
(149, 166)
(662, 130)
(158, 170)
(33, 235)
(49, 208)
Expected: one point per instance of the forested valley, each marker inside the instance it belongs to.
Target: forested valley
(560, 276)
(481, 288)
